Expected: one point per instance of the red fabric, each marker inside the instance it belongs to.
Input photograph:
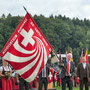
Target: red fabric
(50, 77)
(76, 80)
(81, 57)
(15, 87)
(60, 81)
(37, 77)
(6, 84)
(87, 58)
(27, 47)
(55, 77)
(68, 68)
(86, 55)
(73, 79)
(89, 81)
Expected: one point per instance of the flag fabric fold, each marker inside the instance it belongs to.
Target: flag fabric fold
(72, 57)
(80, 61)
(55, 76)
(54, 58)
(86, 55)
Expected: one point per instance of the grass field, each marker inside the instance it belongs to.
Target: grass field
(74, 88)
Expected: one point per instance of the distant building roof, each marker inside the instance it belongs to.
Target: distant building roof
(62, 55)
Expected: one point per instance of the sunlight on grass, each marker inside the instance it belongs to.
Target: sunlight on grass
(74, 88)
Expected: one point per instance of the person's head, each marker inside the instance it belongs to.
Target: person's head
(83, 59)
(69, 56)
(5, 63)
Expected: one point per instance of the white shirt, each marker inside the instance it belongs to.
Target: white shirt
(84, 65)
(1, 68)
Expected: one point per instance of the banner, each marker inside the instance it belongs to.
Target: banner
(86, 56)
(80, 61)
(55, 76)
(50, 77)
(27, 50)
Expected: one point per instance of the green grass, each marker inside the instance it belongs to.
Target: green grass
(74, 88)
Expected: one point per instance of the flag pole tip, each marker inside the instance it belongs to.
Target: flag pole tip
(25, 9)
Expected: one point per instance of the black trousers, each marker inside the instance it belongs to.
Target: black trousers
(43, 81)
(53, 82)
(84, 82)
(22, 84)
(67, 80)
(58, 81)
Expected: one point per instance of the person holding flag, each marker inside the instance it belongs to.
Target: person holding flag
(68, 70)
(43, 78)
(27, 50)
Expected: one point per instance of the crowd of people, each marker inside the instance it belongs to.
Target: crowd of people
(11, 80)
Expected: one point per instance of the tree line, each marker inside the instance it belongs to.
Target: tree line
(61, 32)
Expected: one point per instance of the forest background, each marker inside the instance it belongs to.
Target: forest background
(61, 32)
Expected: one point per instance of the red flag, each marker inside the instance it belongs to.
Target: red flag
(81, 57)
(55, 76)
(50, 77)
(27, 50)
(86, 55)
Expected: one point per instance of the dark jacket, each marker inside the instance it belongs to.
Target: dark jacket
(64, 71)
(47, 73)
(81, 72)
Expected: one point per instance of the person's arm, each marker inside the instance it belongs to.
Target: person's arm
(17, 77)
(73, 70)
(1, 74)
(1, 69)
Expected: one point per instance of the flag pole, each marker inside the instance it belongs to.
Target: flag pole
(58, 58)
(55, 54)
(25, 9)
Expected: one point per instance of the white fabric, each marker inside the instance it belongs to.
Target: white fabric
(84, 65)
(44, 69)
(1, 68)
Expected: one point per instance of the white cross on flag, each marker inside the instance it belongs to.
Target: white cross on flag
(50, 77)
(27, 50)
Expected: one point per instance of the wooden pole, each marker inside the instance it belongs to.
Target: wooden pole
(25, 9)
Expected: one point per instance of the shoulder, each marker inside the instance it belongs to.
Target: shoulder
(64, 61)
(72, 62)
(79, 65)
(1, 68)
(88, 65)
